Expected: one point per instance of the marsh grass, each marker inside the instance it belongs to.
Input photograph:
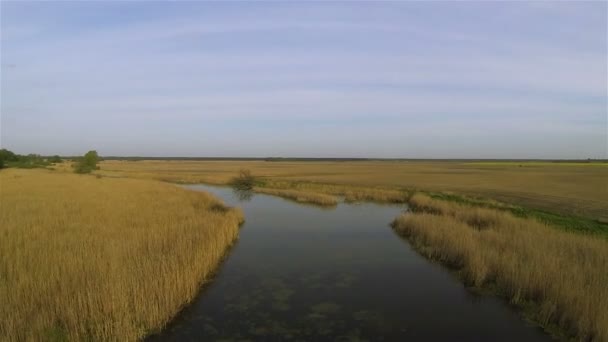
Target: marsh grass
(86, 258)
(566, 222)
(350, 193)
(558, 276)
(564, 195)
(567, 189)
(300, 196)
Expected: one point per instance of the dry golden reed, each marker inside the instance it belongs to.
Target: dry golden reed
(351, 193)
(86, 258)
(565, 188)
(300, 196)
(561, 277)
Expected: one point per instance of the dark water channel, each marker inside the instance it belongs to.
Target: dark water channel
(300, 273)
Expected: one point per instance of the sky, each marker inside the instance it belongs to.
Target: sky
(411, 79)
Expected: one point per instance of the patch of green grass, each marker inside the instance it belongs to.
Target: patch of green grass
(540, 163)
(566, 222)
(572, 223)
(56, 334)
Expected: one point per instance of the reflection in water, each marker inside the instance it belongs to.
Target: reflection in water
(242, 195)
(303, 274)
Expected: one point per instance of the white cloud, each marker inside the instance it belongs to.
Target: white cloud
(334, 65)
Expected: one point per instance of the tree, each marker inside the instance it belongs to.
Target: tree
(55, 159)
(7, 155)
(244, 181)
(87, 163)
(91, 159)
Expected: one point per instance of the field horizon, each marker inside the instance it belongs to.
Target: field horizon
(270, 159)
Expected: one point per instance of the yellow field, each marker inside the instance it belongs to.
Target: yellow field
(560, 278)
(575, 189)
(86, 258)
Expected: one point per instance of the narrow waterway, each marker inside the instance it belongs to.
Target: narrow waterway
(304, 273)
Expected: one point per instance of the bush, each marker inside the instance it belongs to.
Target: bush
(87, 163)
(55, 159)
(244, 181)
(29, 161)
(8, 156)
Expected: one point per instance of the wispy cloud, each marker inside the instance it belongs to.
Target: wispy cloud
(448, 70)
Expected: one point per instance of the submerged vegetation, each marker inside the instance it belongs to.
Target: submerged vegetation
(300, 196)
(86, 258)
(558, 277)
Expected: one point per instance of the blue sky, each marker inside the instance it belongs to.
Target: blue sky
(306, 79)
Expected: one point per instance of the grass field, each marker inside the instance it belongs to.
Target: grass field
(579, 189)
(559, 278)
(86, 258)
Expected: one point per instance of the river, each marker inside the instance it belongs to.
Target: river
(303, 273)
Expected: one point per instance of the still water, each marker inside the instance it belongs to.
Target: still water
(301, 273)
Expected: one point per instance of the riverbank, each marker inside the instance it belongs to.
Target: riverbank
(515, 232)
(564, 195)
(557, 277)
(564, 188)
(300, 196)
(87, 258)
(355, 193)
(302, 273)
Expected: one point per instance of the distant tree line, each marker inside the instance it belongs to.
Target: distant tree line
(84, 164)
(26, 161)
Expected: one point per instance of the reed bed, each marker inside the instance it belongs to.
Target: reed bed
(86, 258)
(350, 193)
(560, 278)
(373, 195)
(300, 196)
(564, 188)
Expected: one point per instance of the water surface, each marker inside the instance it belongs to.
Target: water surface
(303, 273)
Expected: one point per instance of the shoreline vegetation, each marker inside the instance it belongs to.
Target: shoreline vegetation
(87, 258)
(355, 193)
(562, 194)
(552, 275)
(350, 193)
(555, 277)
(300, 196)
(563, 188)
